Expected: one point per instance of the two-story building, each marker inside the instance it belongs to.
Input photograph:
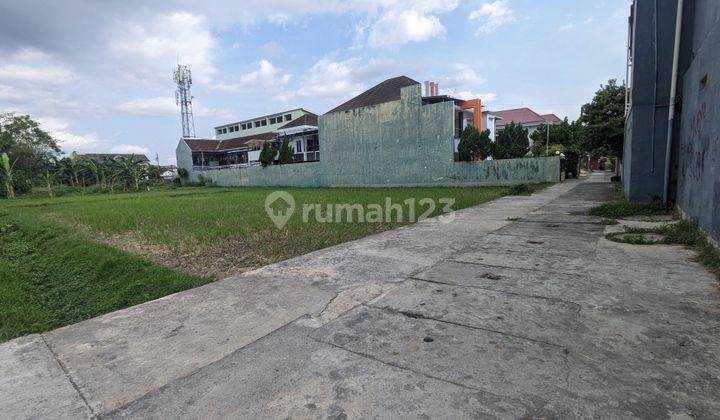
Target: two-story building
(239, 143)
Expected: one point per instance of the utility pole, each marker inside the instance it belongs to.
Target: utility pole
(547, 139)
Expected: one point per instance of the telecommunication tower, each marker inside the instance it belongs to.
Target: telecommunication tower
(183, 78)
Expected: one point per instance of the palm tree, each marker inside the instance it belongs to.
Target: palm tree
(7, 172)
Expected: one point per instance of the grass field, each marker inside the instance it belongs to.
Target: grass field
(70, 258)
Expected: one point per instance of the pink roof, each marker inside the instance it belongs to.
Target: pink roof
(552, 118)
(519, 116)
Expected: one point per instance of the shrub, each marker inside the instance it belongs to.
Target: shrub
(512, 142)
(623, 208)
(183, 173)
(474, 145)
(267, 154)
(286, 153)
(519, 189)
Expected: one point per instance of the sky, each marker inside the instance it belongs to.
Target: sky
(98, 74)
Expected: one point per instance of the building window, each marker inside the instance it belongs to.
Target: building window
(231, 128)
(224, 130)
(257, 124)
(272, 120)
(237, 128)
(312, 143)
(263, 123)
(288, 117)
(298, 146)
(218, 131)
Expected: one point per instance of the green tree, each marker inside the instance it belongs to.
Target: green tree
(267, 154)
(28, 147)
(474, 144)
(512, 142)
(565, 134)
(286, 153)
(92, 168)
(604, 119)
(130, 171)
(469, 144)
(49, 178)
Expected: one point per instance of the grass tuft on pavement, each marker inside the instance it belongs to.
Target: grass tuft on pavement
(624, 208)
(683, 232)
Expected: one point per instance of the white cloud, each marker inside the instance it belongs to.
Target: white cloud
(566, 27)
(590, 19)
(401, 27)
(130, 149)
(462, 75)
(265, 75)
(493, 15)
(150, 49)
(397, 22)
(159, 106)
(68, 140)
(32, 66)
(163, 106)
(332, 79)
(485, 98)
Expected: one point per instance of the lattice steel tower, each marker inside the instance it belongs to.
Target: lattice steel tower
(183, 78)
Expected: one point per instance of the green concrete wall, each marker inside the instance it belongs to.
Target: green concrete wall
(396, 143)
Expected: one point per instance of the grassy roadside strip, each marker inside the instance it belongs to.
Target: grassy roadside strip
(53, 276)
(62, 260)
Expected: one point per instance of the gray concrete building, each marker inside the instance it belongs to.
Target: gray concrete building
(672, 131)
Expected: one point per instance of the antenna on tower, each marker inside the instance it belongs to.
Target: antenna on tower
(183, 79)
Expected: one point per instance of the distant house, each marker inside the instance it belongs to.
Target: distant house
(526, 117)
(388, 135)
(230, 150)
(102, 157)
(302, 134)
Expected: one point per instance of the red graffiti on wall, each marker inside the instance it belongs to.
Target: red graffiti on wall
(694, 165)
(697, 119)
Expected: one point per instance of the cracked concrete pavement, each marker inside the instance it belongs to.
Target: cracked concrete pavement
(517, 308)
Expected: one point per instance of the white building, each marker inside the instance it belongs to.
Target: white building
(258, 125)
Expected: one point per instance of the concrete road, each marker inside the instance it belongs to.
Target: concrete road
(517, 308)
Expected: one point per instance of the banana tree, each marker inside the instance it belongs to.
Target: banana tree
(93, 168)
(74, 169)
(7, 172)
(130, 171)
(49, 179)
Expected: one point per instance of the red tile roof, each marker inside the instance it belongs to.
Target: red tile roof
(519, 116)
(202, 145)
(386, 91)
(307, 119)
(240, 141)
(552, 118)
(208, 145)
